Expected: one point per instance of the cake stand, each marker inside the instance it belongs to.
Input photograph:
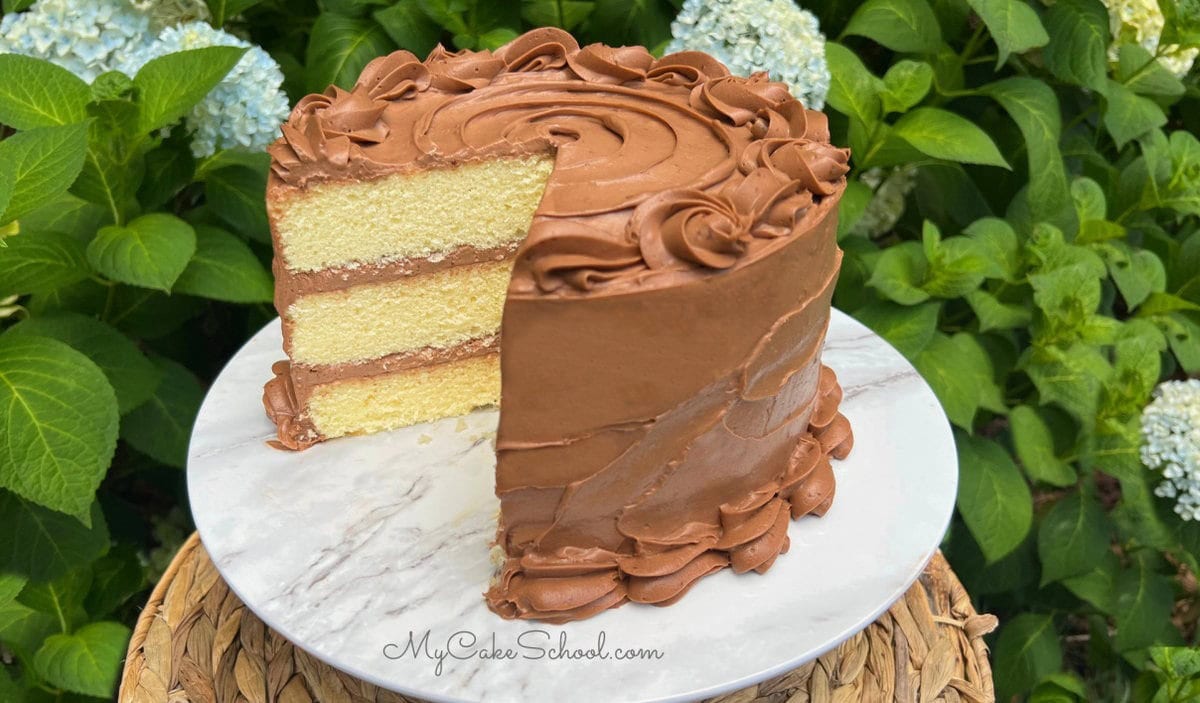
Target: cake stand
(371, 552)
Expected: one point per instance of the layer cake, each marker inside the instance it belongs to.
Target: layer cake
(633, 256)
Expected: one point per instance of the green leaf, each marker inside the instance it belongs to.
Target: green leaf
(899, 272)
(113, 166)
(1143, 607)
(1072, 537)
(1034, 107)
(162, 426)
(960, 373)
(1059, 688)
(1183, 335)
(1162, 303)
(23, 630)
(1078, 32)
(38, 263)
(1097, 585)
(905, 84)
(1090, 201)
(66, 214)
(224, 268)
(996, 315)
(619, 22)
(41, 164)
(130, 373)
(340, 47)
(1014, 26)
(59, 423)
(43, 544)
(956, 266)
(1070, 377)
(37, 93)
(116, 578)
(151, 251)
(945, 135)
(1129, 115)
(993, 499)
(224, 10)
(853, 90)
(1181, 20)
(169, 86)
(87, 661)
(1035, 448)
(257, 161)
(62, 597)
(1026, 652)
(900, 25)
(1145, 75)
(237, 195)
(1137, 273)
(998, 247)
(851, 207)
(908, 329)
(409, 27)
(567, 14)
(496, 38)
(169, 169)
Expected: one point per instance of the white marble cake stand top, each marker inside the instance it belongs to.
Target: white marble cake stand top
(350, 546)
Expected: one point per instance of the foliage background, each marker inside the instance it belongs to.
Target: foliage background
(1021, 223)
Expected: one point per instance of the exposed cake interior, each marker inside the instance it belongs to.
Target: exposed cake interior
(391, 291)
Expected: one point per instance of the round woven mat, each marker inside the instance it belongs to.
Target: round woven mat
(196, 642)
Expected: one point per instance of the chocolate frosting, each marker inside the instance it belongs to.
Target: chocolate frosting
(664, 409)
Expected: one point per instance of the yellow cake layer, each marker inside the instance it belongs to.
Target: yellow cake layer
(485, 205)
(388, 401)
(440, 310)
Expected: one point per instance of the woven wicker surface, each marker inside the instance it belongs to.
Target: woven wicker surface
(196, 642)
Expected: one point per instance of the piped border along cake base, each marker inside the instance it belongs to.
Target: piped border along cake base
(359, 546)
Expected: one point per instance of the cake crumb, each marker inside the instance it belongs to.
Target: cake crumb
(462, 425)
(424, 439)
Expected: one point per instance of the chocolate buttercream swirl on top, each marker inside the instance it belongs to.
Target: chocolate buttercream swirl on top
(690, 226)
(687, 69)
(544, 49)
(598, 63)
(462, 71)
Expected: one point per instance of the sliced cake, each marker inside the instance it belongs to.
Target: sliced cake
(634, 256)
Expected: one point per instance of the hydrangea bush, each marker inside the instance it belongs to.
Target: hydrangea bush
(1022, 221)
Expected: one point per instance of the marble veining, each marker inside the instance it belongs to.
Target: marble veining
(352, 545)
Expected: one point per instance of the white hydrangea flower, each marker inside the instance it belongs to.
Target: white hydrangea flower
(86, 38)
(165, 13)
(1141, 22)
(1171, 436)
(758, 35)
(244, 110)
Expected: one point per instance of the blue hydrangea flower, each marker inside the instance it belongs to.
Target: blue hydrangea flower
(1171, 435)
(758, 35)
(86, 38)
(244, 110)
